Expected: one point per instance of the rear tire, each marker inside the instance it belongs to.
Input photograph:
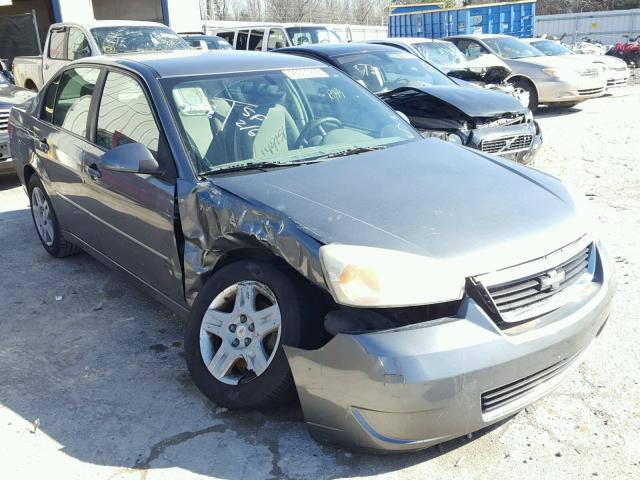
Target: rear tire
(221, 342)
(46, 222)
(530, 89)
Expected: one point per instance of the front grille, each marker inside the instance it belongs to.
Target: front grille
(507, 144)
(591, 91)
(617, 83)
(589, 72)
(507, 394)
(4, 120)
(530, 297)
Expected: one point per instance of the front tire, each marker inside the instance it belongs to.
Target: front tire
(46, 222)
(235, 332)
(528, 87)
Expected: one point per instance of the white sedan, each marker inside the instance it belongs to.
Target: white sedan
(616, 69)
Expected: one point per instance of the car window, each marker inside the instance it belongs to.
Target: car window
(549, 47)
(124, 115)
(77, 45)
(49, 100)
(512, 48)
(124, 39)
(255, 39)
(471, 49)
(228, 36)
(440, 54)
(56, 43)
(302, 35)
(277, 39)
(73, 99)
(218, 44)
(285, 116)
(195, 44)
(242, 40)
(385, 71)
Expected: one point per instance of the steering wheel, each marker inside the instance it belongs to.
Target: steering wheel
(312, 126)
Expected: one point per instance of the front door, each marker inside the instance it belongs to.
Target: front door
(133, 213)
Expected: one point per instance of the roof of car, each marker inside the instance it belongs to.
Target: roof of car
(196, 62)
(111, 23)
(409, 40)
(480, 35)
(200, 36)
(331, 49)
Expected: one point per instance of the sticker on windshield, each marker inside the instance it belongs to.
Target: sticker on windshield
(302, 73)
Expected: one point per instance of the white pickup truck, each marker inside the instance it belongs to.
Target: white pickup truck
(70, 41)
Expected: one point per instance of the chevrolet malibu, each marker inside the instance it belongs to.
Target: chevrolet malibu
(407, 290)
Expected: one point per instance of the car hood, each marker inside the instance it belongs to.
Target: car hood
(548, 61)
(11, 95)
(473, 102)
(426, 197)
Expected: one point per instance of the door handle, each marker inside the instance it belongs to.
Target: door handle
(93, 172)
(43, 145)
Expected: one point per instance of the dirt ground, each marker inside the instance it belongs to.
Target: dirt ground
(98, 366)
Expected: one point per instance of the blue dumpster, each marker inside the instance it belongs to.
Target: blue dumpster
(511, 18)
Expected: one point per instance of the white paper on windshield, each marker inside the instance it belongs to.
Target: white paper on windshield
(302, 73)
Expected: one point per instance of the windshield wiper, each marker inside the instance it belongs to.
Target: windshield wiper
(251, 166)
(350, 151)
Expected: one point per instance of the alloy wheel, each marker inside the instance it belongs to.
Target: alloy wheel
(240, 332)
(42, 216)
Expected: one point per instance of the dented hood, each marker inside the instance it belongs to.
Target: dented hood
(426, 197)
(473, 102)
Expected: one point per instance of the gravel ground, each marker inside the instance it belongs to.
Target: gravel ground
(99, 365)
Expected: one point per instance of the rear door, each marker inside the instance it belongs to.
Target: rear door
(59, 140)
(132, 214)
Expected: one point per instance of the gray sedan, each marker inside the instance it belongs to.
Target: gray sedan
(10, 95)
(409, 290)
(559, 81)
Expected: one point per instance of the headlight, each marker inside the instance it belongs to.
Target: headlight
(446, 136)
(375, 277)
(559, 73)
(454, 138)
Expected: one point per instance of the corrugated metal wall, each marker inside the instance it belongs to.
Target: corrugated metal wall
(607, 27)
(511, 18)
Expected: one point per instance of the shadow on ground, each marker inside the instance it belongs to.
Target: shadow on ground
(101, 366)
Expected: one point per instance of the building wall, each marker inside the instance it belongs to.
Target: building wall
(150, 10)
(607, 27)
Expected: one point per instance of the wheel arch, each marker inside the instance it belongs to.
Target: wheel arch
(517, 77)
(30, 85)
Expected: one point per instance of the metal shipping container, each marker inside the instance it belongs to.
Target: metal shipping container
(608, 27)
(511, 18)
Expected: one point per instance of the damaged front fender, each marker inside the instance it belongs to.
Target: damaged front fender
(215, 222)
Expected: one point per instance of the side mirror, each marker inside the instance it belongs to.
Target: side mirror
(131, 158)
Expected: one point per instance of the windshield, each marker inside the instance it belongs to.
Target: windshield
(302, 35)
(289, 116)
(441, 54)
(549, 47)
(137, 39)
(218, 44)
(382, 72)
(512, 48)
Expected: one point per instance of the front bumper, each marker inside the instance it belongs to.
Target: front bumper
(617, 78)
(516, 142)
(413, 387)
(582, 88)
(6, 164)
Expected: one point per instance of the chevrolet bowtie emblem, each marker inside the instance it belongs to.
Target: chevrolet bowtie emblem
(551, 280)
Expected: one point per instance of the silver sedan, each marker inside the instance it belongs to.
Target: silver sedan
(549, 80)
